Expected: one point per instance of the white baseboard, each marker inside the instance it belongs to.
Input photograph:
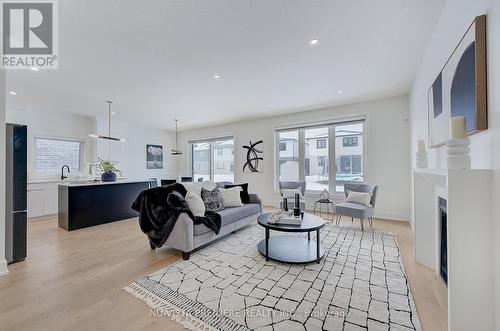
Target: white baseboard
(42, 218)
(391, 216)
(3, 268)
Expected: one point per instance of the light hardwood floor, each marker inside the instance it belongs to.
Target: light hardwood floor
(73, 280)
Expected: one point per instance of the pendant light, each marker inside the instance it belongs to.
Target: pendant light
(108, 137)
(176, 151)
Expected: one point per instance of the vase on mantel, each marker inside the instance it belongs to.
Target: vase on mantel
(457, 148)
(421, 155)
(458, 151)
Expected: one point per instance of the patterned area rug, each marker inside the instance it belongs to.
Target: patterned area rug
(360, 284)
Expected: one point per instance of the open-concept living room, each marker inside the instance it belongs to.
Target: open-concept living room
(268, 165)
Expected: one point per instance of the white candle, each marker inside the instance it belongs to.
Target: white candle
(421, 145)
(458, 127)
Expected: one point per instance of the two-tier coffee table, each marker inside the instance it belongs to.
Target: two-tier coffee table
(292, 249)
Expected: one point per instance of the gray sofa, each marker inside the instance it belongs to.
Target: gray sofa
(186, 236)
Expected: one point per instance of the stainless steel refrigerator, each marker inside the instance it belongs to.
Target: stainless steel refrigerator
(16, 193)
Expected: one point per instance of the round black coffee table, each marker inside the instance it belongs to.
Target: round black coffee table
(292, 249)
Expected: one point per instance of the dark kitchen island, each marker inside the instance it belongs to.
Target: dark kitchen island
(87, 204)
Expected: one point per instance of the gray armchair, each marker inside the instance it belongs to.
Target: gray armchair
(355, 210)
(291, 201)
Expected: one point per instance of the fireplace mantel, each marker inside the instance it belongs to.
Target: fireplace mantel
(470, 283)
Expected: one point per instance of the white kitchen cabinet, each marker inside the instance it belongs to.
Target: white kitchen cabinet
(42, 199)
(35, 203)
(50, 202)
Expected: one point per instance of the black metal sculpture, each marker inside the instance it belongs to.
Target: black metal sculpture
(253, 156)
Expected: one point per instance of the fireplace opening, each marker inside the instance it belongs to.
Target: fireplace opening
(443, 212)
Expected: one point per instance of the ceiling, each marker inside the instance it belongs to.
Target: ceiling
(157, 59)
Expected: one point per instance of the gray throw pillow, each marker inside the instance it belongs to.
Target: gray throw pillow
(212, 199)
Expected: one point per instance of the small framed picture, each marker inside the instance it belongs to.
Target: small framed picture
(154, 157)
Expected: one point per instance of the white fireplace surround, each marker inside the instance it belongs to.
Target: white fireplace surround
(470, 259)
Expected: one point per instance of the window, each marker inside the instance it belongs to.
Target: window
(213, 159)
(321, 143)
(350, 165)
(322, 162)
(288, 159)
(350, 141)
(356, 165)
(52, 154)
(312, 154)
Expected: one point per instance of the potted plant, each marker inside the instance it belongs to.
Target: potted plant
(109, 170)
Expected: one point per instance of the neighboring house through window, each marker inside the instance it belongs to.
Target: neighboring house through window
(304, 154)
(213, 159)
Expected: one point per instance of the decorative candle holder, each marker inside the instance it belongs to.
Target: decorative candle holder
(458, 153)
(421, 160)
(296, 209)
(421, 154)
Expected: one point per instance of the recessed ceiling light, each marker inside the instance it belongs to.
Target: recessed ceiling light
(340, 92)
(314, 42)
(35, 69)
(113, 113)
(269, 106)
(217, 77)
(12, 93)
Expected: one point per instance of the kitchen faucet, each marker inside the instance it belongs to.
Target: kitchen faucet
(62, 172)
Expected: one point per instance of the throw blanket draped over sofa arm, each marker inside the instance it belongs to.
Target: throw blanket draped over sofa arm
(159, 210)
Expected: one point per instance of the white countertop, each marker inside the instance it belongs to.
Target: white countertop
(93, 183)
(57, 180)
(44, 181)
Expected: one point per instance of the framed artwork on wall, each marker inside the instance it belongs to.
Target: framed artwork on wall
(460, 87)
(154, 157)
(253, 158)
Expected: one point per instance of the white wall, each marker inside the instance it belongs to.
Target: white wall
(131, 155)
(54, 125)
(494, 109)
(3, 262)
(457, 15)
(387, 158)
